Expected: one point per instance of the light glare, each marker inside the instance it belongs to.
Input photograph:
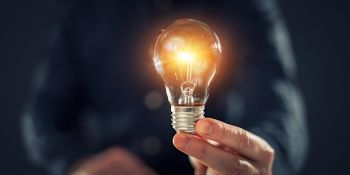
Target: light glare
(186, 56)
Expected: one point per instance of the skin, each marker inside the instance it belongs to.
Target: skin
(217, 148)
(114, 161)
(221, 148)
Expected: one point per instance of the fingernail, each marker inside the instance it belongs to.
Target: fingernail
(181, 140)
(204, 127)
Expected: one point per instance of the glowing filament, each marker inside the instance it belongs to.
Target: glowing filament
(187, 57)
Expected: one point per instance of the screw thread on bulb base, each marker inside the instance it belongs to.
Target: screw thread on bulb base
(184, 118)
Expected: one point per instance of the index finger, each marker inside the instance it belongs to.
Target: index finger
(240, 140)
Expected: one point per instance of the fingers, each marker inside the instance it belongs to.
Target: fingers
(209, 155)
(240, 140)
(199, 168)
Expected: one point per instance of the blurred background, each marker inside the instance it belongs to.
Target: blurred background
(320, 37)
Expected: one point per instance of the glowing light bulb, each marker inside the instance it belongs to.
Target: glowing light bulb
(187, 55)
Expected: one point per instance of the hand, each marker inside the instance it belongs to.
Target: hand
(114, 161)
(220, 148)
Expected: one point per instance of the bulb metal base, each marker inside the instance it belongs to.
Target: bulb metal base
(184, 118)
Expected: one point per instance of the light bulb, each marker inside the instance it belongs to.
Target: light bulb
(186, 56)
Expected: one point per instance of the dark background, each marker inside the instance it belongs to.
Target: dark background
(320, 36)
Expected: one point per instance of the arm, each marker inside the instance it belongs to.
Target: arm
(55, 124)
(49, 123)
(273, 105)
(272, 113)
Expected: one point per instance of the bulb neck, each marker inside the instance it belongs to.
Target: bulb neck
(184, 117)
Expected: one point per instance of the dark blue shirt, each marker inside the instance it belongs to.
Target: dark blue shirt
(96, 86)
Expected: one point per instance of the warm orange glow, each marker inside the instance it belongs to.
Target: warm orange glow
(187, 57)
(181, 50)
(187, 52)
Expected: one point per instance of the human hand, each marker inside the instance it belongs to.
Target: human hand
(221, 148)
(114, 161)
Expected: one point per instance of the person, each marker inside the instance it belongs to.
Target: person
(98, 106)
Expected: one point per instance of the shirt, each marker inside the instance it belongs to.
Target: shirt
(96, 86)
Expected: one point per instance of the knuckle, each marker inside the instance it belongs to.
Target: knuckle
(223, 131)
(236, 168)
(269, 154)
(244, 140)
(202, 152)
